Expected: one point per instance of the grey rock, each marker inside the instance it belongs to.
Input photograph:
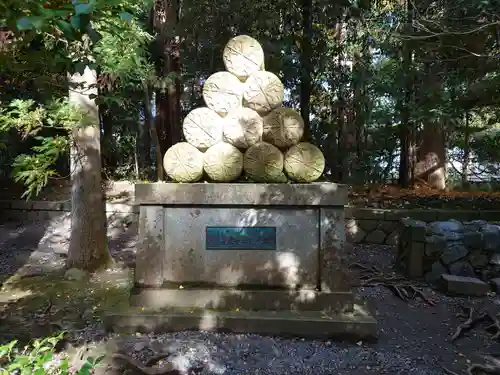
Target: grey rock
(478, 259)
(495, 260)
(473, 239)
(407, 222)
(446, 226)
(493, 228)
(377, 237)
(437, 269)
(495, 284)
(469, 286)
(355, 235)
(474, 225)
(453, 252)
(453, 236)
(462, 268)
(75, 274)
(392, 239)
(435, 244)
(491, 240)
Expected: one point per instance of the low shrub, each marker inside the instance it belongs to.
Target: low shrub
(40, 357)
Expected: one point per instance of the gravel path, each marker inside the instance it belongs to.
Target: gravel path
(413, 338)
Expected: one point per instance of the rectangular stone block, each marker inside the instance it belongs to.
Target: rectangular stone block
(368, 213)
(333, 271)
(469, 286)
(150, 247)
(314, 194)
(488, 215)
(47, 205)
(295, 260)
(21, 205)
(4, 205)
(424, 215)
(415, 266)
(244, 300)
(460, 215)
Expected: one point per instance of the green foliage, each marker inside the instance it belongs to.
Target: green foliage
(31, 120)
(40, 358)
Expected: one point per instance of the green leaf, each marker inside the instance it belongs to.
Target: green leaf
(66, 28)
(127, 17)
(37, 22)
(24, 23)
(93, 34)
(75, 22)
(84, 8)
(80, 67)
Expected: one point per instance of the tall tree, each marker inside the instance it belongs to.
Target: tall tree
(166, 14)
(306, 66)
(405, 127)
(88, 246)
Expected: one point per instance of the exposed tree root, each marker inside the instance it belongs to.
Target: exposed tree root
(126, 362)
(492, 364)
(491, 367)
(495, 326)
(371, 276)
(471, 322)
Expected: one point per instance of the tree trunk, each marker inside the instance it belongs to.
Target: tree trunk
(149, 120)
(88, 248)
(306, 67)
(467, 154)
(405, 127)
(431, 165)
(343, 150)
(168, 101)
(143, 144)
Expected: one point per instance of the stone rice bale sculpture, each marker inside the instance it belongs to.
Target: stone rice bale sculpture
(243, 55)
(283, 127)
(223, 92)
(223, 162)
(304, 162)
(243, 127)
(263, 92)
(183, 163)
(203, 128)
(263, 162)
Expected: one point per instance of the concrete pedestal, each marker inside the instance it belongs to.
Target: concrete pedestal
(269, 255)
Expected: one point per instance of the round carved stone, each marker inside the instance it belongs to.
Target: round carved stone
(304, 162)
(223, 92)
(223, 162)
(243, 127)
(263, 92)
(263, 162)
(203, 128)
(183, 163)
(283, 127)
(243, 55)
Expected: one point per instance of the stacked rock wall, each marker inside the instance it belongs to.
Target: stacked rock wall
(380, 226)
(466, 249)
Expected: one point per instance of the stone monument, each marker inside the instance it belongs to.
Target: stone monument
(263, 255)
(260, 258)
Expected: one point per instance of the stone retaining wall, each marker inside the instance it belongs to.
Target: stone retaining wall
(363, 225)
(466, 249)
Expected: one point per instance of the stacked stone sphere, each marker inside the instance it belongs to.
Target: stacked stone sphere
(243, 128)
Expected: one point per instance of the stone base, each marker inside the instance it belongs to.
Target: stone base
(246, 300)
(356, 325)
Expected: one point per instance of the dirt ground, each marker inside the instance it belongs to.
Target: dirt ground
(414, 337)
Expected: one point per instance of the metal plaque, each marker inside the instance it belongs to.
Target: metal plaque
(240, 238)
